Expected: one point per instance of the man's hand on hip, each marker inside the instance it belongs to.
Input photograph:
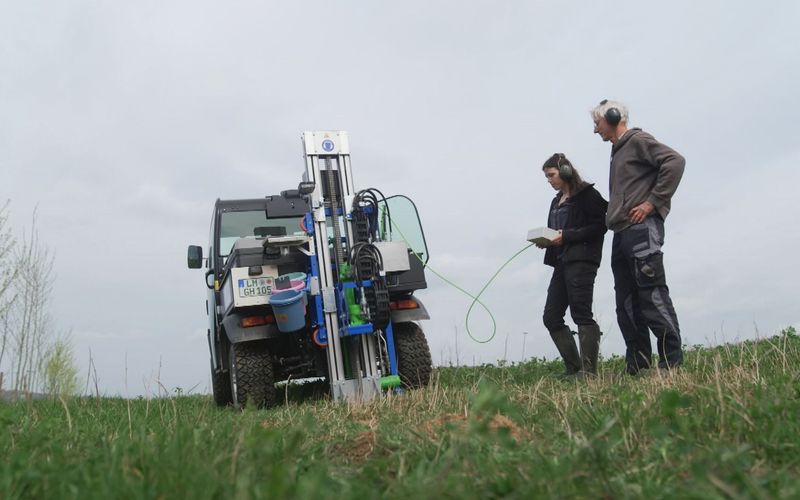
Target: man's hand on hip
(640, 212)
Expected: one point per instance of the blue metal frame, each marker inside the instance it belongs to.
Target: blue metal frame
(390, 349)
(322, 335)
(351, 330)
(339, 211)
(347, 328)
(344, 315)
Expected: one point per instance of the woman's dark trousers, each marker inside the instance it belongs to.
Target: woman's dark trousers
(572, 285)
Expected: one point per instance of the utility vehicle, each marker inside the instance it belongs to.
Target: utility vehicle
(315, 282)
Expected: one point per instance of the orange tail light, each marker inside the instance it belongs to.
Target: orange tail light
(403, 304)
(257, 321)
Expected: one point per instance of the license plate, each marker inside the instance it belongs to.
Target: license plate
(255, 287)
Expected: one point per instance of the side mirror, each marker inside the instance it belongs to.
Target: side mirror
(306, 187)
(195, 257)
(210, 280)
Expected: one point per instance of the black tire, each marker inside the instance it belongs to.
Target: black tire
(414, 363)
(251, 375)
(221, 387)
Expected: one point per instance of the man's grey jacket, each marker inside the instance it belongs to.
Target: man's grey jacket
(642, 169)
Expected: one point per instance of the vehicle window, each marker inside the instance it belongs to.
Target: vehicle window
(210, 255)
(401, 223)
(253, 224)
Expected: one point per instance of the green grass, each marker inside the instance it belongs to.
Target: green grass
(724, 426)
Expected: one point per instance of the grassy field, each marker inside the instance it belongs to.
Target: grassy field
(724, 426)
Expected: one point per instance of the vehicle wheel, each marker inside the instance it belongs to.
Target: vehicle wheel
(414, 363)
(221, 387)
(251, 374)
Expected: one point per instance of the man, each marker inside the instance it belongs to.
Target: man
(643, 177)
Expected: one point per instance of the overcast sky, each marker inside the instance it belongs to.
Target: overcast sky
(123, 122)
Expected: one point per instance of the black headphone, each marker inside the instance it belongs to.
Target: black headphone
(565, 171)
(612, 115)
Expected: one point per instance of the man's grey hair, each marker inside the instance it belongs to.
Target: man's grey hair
(599, 111)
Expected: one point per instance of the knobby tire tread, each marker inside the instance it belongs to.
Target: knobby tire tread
(414, 363)
(221, 387)
(255, 379)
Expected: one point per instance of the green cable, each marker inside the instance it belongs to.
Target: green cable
(474, 297)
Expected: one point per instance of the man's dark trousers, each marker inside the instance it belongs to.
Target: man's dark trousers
(643, 301)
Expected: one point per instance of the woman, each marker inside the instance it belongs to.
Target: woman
(578, 213)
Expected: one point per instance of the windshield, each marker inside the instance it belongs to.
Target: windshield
(399, 221)
(253, 224)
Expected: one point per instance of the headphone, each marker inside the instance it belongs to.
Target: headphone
(565, 171)
(612, 115)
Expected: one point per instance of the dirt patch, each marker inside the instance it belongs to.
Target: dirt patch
(456, 420)
(357, 449)
(502, 422)
(460, 423)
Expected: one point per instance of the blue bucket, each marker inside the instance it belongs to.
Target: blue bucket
(295, 276)
(290, 310)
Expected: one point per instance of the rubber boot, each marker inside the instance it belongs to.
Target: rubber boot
(565, 343)
(589, 336)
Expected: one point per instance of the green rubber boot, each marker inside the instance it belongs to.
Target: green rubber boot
(589, 336)
(565, 343)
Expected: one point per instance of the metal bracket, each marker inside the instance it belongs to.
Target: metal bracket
(329, 300)
(357, 390)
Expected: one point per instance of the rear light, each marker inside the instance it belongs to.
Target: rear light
(256, 321)
(403, 304)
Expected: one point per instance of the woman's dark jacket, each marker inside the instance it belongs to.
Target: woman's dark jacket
(584, 230)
